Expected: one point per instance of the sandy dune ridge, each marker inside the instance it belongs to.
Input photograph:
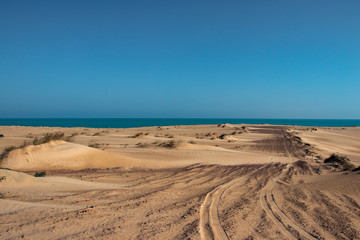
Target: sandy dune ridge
(181, 182)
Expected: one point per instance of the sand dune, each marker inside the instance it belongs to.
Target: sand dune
(63, 155)
(188, 146)
(25, 182)
(181, 182)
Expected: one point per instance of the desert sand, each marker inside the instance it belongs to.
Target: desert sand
(221, 181)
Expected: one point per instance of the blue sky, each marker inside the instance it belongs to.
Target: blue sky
(240, 59)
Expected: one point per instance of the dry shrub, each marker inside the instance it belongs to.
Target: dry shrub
(341, 161)
(47, 137)
(170, 144)
(138, 135)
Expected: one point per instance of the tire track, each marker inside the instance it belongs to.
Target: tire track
(278, 217)
(210, 227)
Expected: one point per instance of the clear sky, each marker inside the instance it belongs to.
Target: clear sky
(240, 59)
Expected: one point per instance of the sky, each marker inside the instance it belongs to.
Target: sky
(181, 59)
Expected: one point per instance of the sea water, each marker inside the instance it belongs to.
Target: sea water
(147, 122)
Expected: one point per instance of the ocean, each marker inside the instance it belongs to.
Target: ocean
(146, 122)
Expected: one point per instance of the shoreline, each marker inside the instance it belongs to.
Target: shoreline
(151, 122)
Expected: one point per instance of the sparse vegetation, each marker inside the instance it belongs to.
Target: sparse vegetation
(70, 138)
(94, 145)
(47, 137)
(6, 152)
(170, 144)
(222, 136)
(340, 161)
(139, 134)
(2, 178)
(40, 174)
(192, 142)
(142, 145)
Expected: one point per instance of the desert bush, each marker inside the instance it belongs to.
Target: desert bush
(71, 137)
(222, 136)
(94, 145)
(142, 145)
(47, 137)
(6, 152)
(192, 142)
(138, 134)
(170, 144)
(343, 161)
(40, 174)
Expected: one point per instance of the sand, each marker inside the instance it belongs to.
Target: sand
(181, 182)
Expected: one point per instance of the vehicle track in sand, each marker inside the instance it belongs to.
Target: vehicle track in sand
(210, 226)
(277, 216)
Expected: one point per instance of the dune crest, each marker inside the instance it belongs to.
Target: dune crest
(63, 155)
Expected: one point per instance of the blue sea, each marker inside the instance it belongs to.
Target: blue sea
(146, 122)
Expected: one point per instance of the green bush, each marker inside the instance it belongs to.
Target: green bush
(40, 174)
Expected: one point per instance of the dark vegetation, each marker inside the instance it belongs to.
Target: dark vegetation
(341, 162)
(94, 145)
(47, 137)
(170, 144)
(139, 134)
(40, 174)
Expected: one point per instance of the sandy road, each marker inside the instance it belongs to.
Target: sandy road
(277, 216)
(210, 227)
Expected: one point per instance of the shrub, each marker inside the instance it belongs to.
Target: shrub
(170, 144)
(222, 136)
(6, 152)
(142, 145)
(94, 145)
(138, 134)
(47, 137)
(40, 174)
(343, 161)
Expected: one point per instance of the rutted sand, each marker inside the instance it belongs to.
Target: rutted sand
(250, 185)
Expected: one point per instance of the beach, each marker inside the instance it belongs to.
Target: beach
(221, 181)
